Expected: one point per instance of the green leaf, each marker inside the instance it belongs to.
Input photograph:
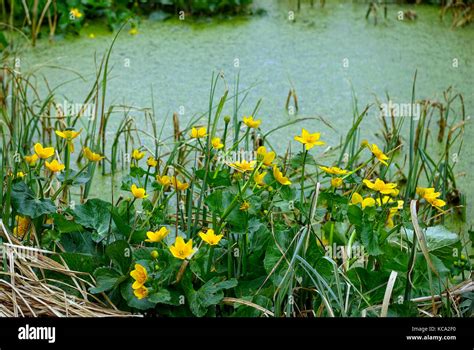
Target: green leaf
(214, 179)
(437, 237)
(354, 214)
(25, 202)
(162, 296)
(81, 262)
(370, 240)
(209, 294)
(79, 180)
(219, 200)
(120, 253)
(64, 225)
(94, 214)
(106, 279)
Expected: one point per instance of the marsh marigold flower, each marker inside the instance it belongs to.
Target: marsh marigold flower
(69, 135)
(20, 174)
(198, 133)
(243, 166)
(91, 156)
(381, 186)
(43, 152)
(309, 140)
(54, 166)
(251, 123)
(216, 143)
(140, 276)
(336, 182)
(264, 156)
(365, 202)
(180, 249)
(22, 226)
(74, 12)
(178, 185)
(210, 237)
(133, 31)
(429, 194)
(279, 176)
(259, 178)
(137, 155)
(31, 160)
(377, 152)
(138, 192)
(334, 170)
(164, 180)
(151, 162)
(141, 292)
(157, 236)
(391, 214)
(244, 206)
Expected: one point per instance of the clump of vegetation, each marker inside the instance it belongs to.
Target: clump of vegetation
(216, 223)
(71, 15)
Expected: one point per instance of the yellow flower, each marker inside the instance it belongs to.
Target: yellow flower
(141, 292)
(251, 123)
(93, 157)
(259, 178)
(138, 192)
(164, 180)
(336, 182)
(75, 13)
(198, 133)
(69, 135)
(210, 237)
(139, 275)
(279, 176)
(216, 143)
(245, 206)
(431, 196)
(137, 155)
(43, 152)
(382, 187)
(385, 200)
(334, 170)
(22, 226)
(133, 31)
(379, 154)
(265, 157)
(157, 236)
(92, 36)
(54, 166)
(20, 174)
(31, 160)
(243, 166)
(309, 140)
(151, 162)
(180, 249)
(365, 202)
(178, 185)
(391, 214)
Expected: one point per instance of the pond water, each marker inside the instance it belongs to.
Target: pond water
(311, 53)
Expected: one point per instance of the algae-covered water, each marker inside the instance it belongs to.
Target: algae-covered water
(325, 54)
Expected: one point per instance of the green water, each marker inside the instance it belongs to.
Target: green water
(177, 59)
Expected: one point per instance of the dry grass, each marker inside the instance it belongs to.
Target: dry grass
(25, 291)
